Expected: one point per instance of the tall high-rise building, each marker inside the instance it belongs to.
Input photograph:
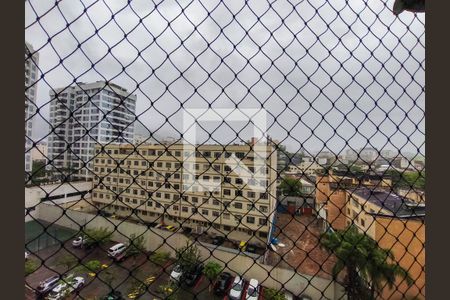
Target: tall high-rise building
(85, 114)
(31, 75)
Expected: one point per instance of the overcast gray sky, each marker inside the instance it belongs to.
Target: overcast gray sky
(324, 73)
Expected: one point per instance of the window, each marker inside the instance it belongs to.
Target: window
(262, 221)
(226, 216)
(262, 234)
(215, 213)
(250, 206)
(238, 205)
(227, 192)
(240, 155)
(239, 181)
(251, 220)
(238, 193)
(184, 209)
(195, 199)
(175, 207)
(216, 202)
(355, 203)
(204, 212)
(263, 208)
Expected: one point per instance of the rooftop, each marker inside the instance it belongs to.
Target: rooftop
(399, 206)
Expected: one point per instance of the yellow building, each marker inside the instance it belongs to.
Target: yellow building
(227, 190)
(395, 222)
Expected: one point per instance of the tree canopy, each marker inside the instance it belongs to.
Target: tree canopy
(291, 186)
(188, 257)
(365, 263)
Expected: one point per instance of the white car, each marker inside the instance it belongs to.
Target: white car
(252, 290)
(116, 249)
(288, 295)
(236, 288)
(27, 255)
(79, 241)
(176, 273)
(65, 288)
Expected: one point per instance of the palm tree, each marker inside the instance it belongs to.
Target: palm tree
(368, 267)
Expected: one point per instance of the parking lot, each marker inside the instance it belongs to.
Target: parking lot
(97, 287)
(302, 251)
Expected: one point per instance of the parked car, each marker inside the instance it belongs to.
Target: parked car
(236, 288)
(104, 213)
(171, 228)
(192, 277)
(252, 290)
(251, 248)
(218, 240)
(47, 285)
(65, 288)
(176, 273)
(116, 249)
(222, 284)
(121, 256)
(79, 241)
(242, 246)
(114, 295)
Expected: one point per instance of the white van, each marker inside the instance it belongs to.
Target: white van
(116, 249)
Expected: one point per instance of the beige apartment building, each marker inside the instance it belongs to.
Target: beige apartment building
(200, 189)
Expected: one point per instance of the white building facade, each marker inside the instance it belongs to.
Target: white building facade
(83, 115)
(31, 76)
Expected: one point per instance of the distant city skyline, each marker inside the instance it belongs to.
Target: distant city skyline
(319, 106)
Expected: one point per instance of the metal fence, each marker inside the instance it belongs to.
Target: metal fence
(237, 149)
